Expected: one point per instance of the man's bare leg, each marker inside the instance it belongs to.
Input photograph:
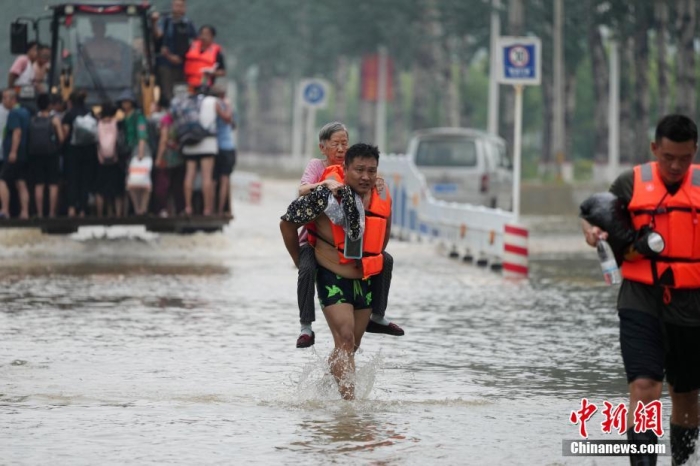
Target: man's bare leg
(207, 166)
(23, 198)
(145, 198)
(53, 200)
(643, 390)
(99, 205)
(224, 191)
(362, 317)
(341, 321)
(188, 184)
(5, 198)
(39, 199)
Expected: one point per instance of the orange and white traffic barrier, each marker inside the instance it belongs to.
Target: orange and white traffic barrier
(515, 260)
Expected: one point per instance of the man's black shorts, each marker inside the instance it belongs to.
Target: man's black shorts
(682, 357)
(334, 289)
(47, 170)
(12, 172)
(648, 346)
(641, 342)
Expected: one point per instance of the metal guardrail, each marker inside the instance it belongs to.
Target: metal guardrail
(246, 186)
(472, 232)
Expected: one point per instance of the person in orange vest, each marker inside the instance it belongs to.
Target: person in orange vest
(204, 61)
(348, 254)
(659, 299)
(333, 143)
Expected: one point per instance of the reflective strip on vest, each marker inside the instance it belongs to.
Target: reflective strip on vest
(647, 174)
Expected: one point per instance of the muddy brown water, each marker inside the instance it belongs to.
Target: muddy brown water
(121, 347)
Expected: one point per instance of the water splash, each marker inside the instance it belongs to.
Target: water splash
(316, 383)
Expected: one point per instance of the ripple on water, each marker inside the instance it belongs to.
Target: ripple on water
(138, 349)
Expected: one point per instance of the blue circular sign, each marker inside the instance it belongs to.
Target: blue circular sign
(314, 93)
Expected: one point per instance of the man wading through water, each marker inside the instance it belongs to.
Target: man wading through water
(349, 231)
(333, 143)
(659, 300)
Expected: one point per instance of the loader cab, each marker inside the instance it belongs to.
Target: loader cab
(103, 49)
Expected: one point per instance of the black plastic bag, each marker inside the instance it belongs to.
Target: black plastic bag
(607, 212)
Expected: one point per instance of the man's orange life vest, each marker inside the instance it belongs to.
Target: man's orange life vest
(196, 60)
(676, 219)
(376, 217)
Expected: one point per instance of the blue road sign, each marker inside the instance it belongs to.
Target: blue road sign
(519, 59)
(314, 93)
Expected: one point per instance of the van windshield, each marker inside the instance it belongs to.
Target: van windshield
(452, 152)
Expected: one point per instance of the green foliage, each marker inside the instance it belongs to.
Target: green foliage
(583, 127)
(298, 38)
(475, 90)
(583, 169)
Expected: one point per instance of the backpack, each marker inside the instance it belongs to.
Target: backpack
(188, 129)
(84, 130)
(42, 139)
(107, 133)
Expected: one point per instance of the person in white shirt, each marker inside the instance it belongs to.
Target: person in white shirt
(22, 70)
(203, 154)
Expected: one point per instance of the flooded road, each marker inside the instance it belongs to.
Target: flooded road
(144, 349)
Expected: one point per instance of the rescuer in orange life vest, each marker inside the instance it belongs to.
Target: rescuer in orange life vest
(659, 299)
(348, 256)
(205, 60)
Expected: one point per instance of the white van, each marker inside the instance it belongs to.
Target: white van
(464, 165)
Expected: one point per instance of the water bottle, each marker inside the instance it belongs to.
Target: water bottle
(611, 272)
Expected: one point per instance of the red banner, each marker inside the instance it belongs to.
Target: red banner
(370, 78)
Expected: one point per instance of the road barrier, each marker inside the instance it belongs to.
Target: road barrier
(477, 234)
(515, 261)
(246, 186)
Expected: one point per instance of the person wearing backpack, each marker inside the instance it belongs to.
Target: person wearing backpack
(202, 154)
(80, 158)
(110, 174)
(45, 139)
(138, 181)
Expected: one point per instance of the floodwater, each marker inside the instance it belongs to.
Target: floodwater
(122, 347)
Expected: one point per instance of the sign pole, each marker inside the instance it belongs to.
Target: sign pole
(310, 131)
(493, 81)
(297, 116)
(380, 125)
(517, 150)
